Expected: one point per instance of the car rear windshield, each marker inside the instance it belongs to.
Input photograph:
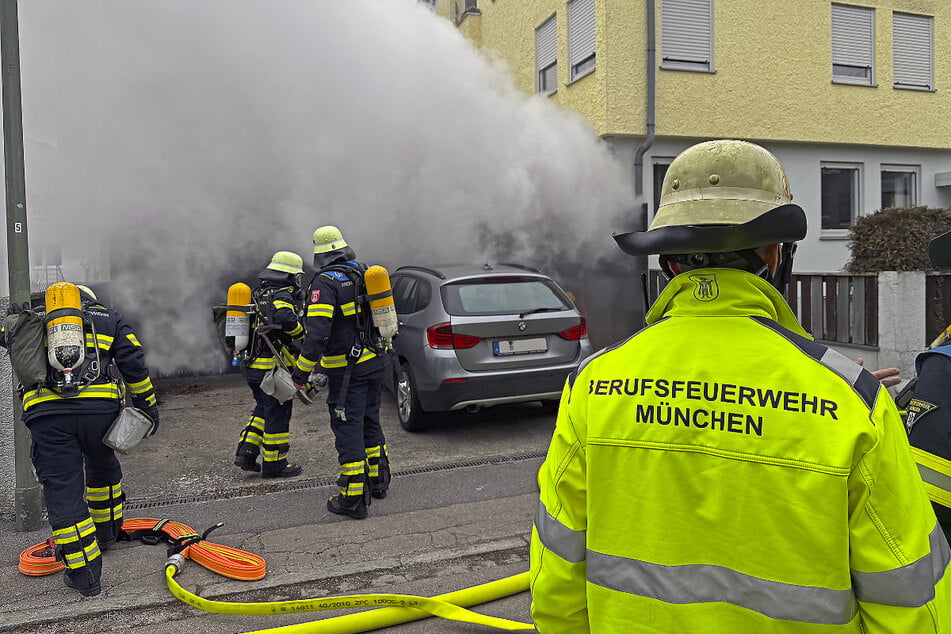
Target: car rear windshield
(503, 295)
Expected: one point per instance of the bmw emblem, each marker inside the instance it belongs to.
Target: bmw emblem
(522, 326)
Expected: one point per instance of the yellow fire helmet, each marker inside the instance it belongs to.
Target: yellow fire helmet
(720, 197)
(328, 238)
(330, 247)
(287, 262)
(87, 291)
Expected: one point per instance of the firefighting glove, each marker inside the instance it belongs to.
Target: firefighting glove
(152, 412)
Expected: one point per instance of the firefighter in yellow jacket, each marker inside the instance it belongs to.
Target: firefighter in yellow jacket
(720, 471)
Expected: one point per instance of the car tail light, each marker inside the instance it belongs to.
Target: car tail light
(576, 333)
(441, 337)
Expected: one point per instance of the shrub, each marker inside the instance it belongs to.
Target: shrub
(896, 239)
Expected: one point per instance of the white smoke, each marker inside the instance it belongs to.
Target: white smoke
(197, 138)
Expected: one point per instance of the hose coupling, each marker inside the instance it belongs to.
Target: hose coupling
(176, 560)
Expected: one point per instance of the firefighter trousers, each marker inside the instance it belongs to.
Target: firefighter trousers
(268, 428)
(361, 429)
(82, 486)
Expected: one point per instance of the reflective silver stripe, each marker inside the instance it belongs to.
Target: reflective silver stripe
(558, 538)
(841, 365)
(910, 586)
(701, 583)
(935, 478)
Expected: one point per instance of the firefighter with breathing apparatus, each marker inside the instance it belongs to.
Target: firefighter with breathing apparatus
(274, 344)
(349, 327)
(927, 403)
(93, 356)
(720, 470)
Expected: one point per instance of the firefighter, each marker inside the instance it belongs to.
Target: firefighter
(81, 477)
(720, 471)
(334, 323)
(277, 302)
(928, 416)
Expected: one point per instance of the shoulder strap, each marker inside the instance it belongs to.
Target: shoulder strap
(945, 350)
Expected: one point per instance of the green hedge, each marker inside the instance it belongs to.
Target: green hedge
(896, 239)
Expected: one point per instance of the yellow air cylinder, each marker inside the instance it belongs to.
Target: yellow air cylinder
(237, 320)
(65, 341)
(380, 294)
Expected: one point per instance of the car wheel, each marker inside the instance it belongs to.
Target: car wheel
(550, 407)
(411, 415)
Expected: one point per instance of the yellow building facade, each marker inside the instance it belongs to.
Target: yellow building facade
(850, 96)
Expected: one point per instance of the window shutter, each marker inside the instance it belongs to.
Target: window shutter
(686, 32)
(546, 43)
(580, 30)
(912, 43)
(852, 35)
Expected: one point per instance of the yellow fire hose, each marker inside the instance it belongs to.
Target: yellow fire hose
(400, 608)
(41, 560)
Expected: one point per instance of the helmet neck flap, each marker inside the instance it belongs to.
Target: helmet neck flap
(330, 257)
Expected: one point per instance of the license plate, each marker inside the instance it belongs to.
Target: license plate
(506, 347)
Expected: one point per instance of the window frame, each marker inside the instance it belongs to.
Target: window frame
(583, 66)
(549, 65)
(848, 79)
(657, 162)
(929, 87)
(895, 168)
(673, 63)
(856, 211)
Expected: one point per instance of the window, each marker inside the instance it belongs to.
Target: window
(660, 171)
(580, 37)
(403, 296)
(840, 195)
(546, 56)
(503, 296)
(409, 294)
(686, 34)
(899, 185)
(913, 56)
(853, 50)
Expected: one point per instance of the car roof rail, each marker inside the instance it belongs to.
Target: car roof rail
(438, 274)
(520, 266)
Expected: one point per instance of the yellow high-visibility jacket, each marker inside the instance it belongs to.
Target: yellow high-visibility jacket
(720, 471)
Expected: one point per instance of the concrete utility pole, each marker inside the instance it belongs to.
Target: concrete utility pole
(28, 498)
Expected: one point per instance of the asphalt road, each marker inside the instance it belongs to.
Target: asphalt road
(473, 475)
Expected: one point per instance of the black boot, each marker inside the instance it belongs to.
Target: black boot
(354, 506)
(246, 457)
(381, 483)
(289, 470)
(353, 479)
(85, 579)
(106, 535)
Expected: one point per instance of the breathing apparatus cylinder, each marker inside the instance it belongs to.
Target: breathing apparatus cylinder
(65, 340)
(382, 308)
(238, 322)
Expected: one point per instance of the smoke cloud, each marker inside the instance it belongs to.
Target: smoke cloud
(194, 139)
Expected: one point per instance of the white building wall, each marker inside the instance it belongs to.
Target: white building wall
(816, 253)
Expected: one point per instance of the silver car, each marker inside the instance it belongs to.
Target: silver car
(476, 336)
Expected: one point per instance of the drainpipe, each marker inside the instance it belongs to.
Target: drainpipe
(641, 261)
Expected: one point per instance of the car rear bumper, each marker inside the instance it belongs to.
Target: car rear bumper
(495, 389)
